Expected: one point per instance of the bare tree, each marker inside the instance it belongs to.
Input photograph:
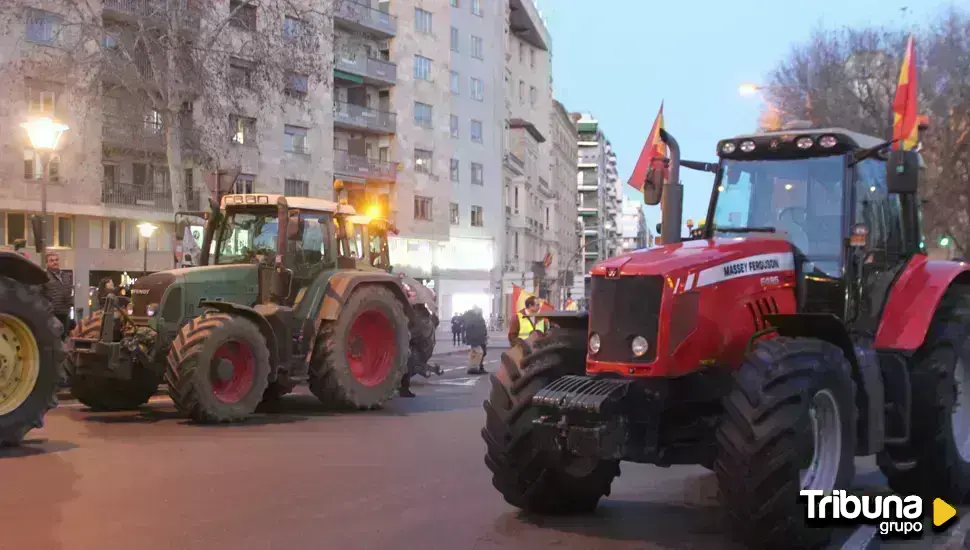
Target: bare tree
(174, 62)
(847, 78)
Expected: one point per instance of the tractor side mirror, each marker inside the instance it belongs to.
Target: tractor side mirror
(294, 229)
(653, 185)
(658, 229)
(180, 227)
(902, 172)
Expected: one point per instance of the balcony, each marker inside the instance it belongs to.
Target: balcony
(589, 159)
(141, 134)
(346, 164)
(358, 117)
(359, 17)
(153, 197)
(135, 10)
(375, 72)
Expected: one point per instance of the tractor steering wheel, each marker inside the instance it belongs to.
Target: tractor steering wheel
(795, 228)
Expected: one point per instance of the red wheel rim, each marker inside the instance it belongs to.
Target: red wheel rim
(231, 387)
(370, 347)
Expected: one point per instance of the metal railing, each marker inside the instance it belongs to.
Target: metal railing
(369, 67)
(358, 115)
(137, 133)
(154, 196)
(588, 158)
(190, 10)
(364, 15)
(359, 165)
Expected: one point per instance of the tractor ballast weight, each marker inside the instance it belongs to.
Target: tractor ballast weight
(773, 347)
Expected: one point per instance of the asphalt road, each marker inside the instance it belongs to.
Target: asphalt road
(410, 476)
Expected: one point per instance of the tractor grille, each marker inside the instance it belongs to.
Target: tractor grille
(759, 309)
(621, 309)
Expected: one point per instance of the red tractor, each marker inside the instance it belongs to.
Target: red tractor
(801, 327)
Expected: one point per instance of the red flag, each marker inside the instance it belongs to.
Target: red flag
(653, 154)
(905, 108)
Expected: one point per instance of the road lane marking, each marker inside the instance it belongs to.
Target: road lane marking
(466, 381)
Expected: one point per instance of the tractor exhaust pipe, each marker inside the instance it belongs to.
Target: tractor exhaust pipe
(672, 198)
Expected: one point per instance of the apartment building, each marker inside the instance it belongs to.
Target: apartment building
(110, 171)
(633, 227)
(527, 167)
(561, 235)
(598, 202)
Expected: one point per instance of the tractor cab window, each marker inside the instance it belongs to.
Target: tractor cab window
(311, 254)
(359, 238)
(247, 236)
(800, 199)
(878, 210)
(378, 248)
(347, 246)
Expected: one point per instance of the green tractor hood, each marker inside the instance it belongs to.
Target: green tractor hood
(175, 295)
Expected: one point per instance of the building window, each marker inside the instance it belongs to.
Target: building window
(240, 73)
(478, 89)
(476, 131)
(454, 214)
(34, 167)
(242, 15)
(40, 101)
(454, 39)
(423, 115)
(296, 188)
(422, 68)
(63, 232)
(292, 28)
(532, 57)
(297, 85)
(478, 176)
(478, 47)
(422, 161)
(477, 218)
(42, 26)
(422, 20)
(295, 140)
(477, 7)
(245, 184)
(454, 126)
(455, 83)
(521, 91)
(532, 95)
(243, 130)
(455, 174)
(454, 4)
(422, 208)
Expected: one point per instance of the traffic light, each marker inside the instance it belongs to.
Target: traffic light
(944, 241)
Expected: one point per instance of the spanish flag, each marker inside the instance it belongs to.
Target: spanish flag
(653, 154)
(905, 109)
(519, 296)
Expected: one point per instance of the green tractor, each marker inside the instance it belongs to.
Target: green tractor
(31, 349)
(276, 301)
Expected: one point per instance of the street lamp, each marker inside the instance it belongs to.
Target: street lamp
(44, 134)
(146, 230)
(749, 89)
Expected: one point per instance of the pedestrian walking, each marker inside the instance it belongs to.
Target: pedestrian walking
(58, 293)
(455, 329)
(462, 321)
(476, 331)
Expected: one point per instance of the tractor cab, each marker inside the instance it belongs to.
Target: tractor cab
(370, 239)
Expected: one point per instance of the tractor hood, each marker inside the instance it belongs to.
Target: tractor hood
(689, 257)
(183, 289)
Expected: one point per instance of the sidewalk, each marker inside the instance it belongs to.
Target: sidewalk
(444, 346)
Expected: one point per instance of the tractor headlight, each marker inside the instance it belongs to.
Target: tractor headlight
(827, 141)
(727, 148)
(151, 310)
(747, 146)
(594, 343)
(639, 346)
(805, 143)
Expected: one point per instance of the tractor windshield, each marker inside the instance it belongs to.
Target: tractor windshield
(800, 199)
(247, 236)
(378, 253)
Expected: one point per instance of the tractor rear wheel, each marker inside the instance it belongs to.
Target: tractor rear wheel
(528, 479)
(30, 356)
(218, 368)
(936, 461)
(359, 359)
(789, 424)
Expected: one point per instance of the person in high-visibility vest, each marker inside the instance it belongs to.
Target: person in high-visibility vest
(525, 322)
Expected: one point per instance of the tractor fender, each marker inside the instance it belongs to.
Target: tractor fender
(913, 300)
(574, 320)
(265, 328)
(866, 370)
(21, 269)
(343, 283)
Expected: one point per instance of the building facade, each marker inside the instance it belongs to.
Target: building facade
(561, 224)
(633, 227)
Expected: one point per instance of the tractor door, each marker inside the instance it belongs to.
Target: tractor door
(311, 252)
(877, 246)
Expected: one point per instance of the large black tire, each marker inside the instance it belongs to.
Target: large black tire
(527, 478)
(332, 380)
(765, 439)
(109, 394)
(25, 304)
(194, 359)
(931, 464)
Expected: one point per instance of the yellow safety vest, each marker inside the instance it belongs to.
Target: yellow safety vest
(526, 327)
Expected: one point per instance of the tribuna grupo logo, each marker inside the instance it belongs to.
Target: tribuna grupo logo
(895, 515)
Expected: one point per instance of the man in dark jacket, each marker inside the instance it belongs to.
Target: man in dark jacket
(455, 329)
(476, 335)
(58, 293)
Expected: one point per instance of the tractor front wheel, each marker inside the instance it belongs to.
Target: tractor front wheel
(218, 368)
(30, 356)
(359, 359)
(789, 425)
(527, 478)
(936, 461)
